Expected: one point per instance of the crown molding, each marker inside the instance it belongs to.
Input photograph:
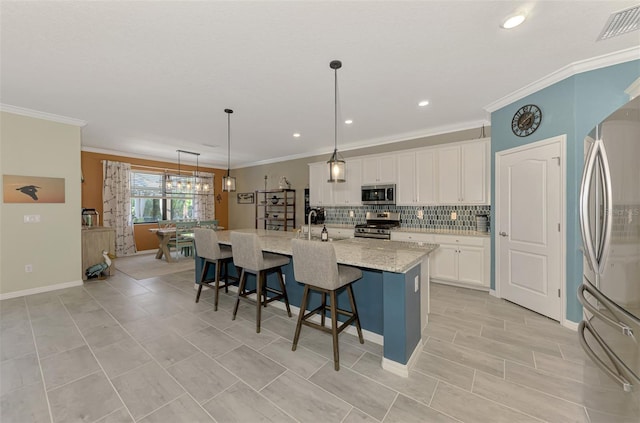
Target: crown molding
(41, 115)
(572, 69)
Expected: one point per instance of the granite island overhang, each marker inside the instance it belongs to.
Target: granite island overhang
(392, 297)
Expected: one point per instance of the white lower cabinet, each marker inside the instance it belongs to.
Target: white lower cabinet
(460, 260)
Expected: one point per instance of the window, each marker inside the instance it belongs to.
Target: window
(151, 202)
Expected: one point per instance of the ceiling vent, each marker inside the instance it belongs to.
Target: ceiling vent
(621, 22)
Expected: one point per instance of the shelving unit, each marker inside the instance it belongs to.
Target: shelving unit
(276, 209)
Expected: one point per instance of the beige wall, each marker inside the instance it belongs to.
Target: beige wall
(36, 147)
(297, 172)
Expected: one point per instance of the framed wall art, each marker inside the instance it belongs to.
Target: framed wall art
(245, 197)
(32, 189)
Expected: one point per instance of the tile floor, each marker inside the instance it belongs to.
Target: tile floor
(121, 350)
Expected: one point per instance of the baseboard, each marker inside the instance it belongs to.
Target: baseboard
(570, 325)
(402, 369)
(40, 290)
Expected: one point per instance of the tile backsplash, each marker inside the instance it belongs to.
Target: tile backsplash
(434, 217)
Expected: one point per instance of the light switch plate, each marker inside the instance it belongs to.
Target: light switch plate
(420, 214)
(454, 215)
(31, 218)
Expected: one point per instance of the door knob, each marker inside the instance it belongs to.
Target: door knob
(503, 233)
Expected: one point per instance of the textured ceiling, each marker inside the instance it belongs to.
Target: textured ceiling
(153, 77)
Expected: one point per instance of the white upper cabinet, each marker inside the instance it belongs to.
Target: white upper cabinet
(463, 173)
(407, 179)
(320, 191)
(348, 193)
(426, 177)
(379, 170)
(416, 180)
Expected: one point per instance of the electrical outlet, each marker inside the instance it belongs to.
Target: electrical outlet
(352, 213)
(420, 214)
(28, 268)
(454, 215)
(417, 283)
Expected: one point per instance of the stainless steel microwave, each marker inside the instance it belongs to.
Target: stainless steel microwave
(378, 194)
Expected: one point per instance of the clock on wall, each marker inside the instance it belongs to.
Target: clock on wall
(526, 120)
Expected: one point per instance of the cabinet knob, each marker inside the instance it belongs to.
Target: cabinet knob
(503, 234)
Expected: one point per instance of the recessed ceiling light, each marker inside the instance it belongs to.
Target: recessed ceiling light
(348, 121)
(513, 21)
(423, 103)
(296, 135)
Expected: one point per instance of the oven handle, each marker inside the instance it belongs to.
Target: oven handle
(622, 371)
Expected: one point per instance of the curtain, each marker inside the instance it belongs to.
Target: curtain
(203, 207)
(116, 204)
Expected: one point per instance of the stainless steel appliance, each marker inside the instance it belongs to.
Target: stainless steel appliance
(378, 194)
(379, 225)
(610, 223)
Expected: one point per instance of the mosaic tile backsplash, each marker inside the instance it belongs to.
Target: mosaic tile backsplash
(434, 217)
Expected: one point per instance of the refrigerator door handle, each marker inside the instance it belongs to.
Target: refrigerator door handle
(605, 173)
(621, 373)
(585, 188)
(626, 328)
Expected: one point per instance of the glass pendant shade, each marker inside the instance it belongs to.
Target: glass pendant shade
(337, 168)
(228, 183)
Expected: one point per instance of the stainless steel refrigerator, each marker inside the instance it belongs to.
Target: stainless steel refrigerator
(610, 223)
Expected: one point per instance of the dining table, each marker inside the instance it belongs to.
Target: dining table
(164, 236)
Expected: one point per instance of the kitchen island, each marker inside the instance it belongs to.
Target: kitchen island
(392, 296)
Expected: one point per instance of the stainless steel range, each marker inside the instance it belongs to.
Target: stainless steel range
(379, 225)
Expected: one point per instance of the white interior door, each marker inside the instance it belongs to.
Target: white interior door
(529, 214)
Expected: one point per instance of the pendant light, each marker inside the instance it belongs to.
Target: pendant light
(179, 183)
(228, 182)
(337, 166)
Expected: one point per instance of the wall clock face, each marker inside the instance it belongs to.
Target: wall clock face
(526, 120)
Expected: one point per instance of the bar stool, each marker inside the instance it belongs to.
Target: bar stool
(315, 265)
(247, 254)
(207, 247)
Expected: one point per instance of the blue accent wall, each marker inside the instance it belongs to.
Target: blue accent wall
(573, 106)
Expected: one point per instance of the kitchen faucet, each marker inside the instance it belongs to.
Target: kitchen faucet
(312, 212)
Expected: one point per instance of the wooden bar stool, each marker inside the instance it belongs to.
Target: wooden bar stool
(207, 247)
(315, 265)
(247, 254)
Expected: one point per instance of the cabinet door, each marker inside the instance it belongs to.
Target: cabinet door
(474, 173)
(449, 175)
(348, 193)
(387, 169)
(471, 265)
(445, 263)
(370, 170)
(406, 180)
(425, 177)
(319, 189)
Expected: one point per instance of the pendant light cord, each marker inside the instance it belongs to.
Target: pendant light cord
(335, 110)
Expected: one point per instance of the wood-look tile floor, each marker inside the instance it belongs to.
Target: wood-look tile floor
(121, 350)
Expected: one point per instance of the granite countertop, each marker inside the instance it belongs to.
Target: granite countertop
(388, 256)
(464, 232)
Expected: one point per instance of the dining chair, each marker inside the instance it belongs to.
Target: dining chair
(248, 254)
(181, 242)
(208, 248)
(211, 224)
(315, 266)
